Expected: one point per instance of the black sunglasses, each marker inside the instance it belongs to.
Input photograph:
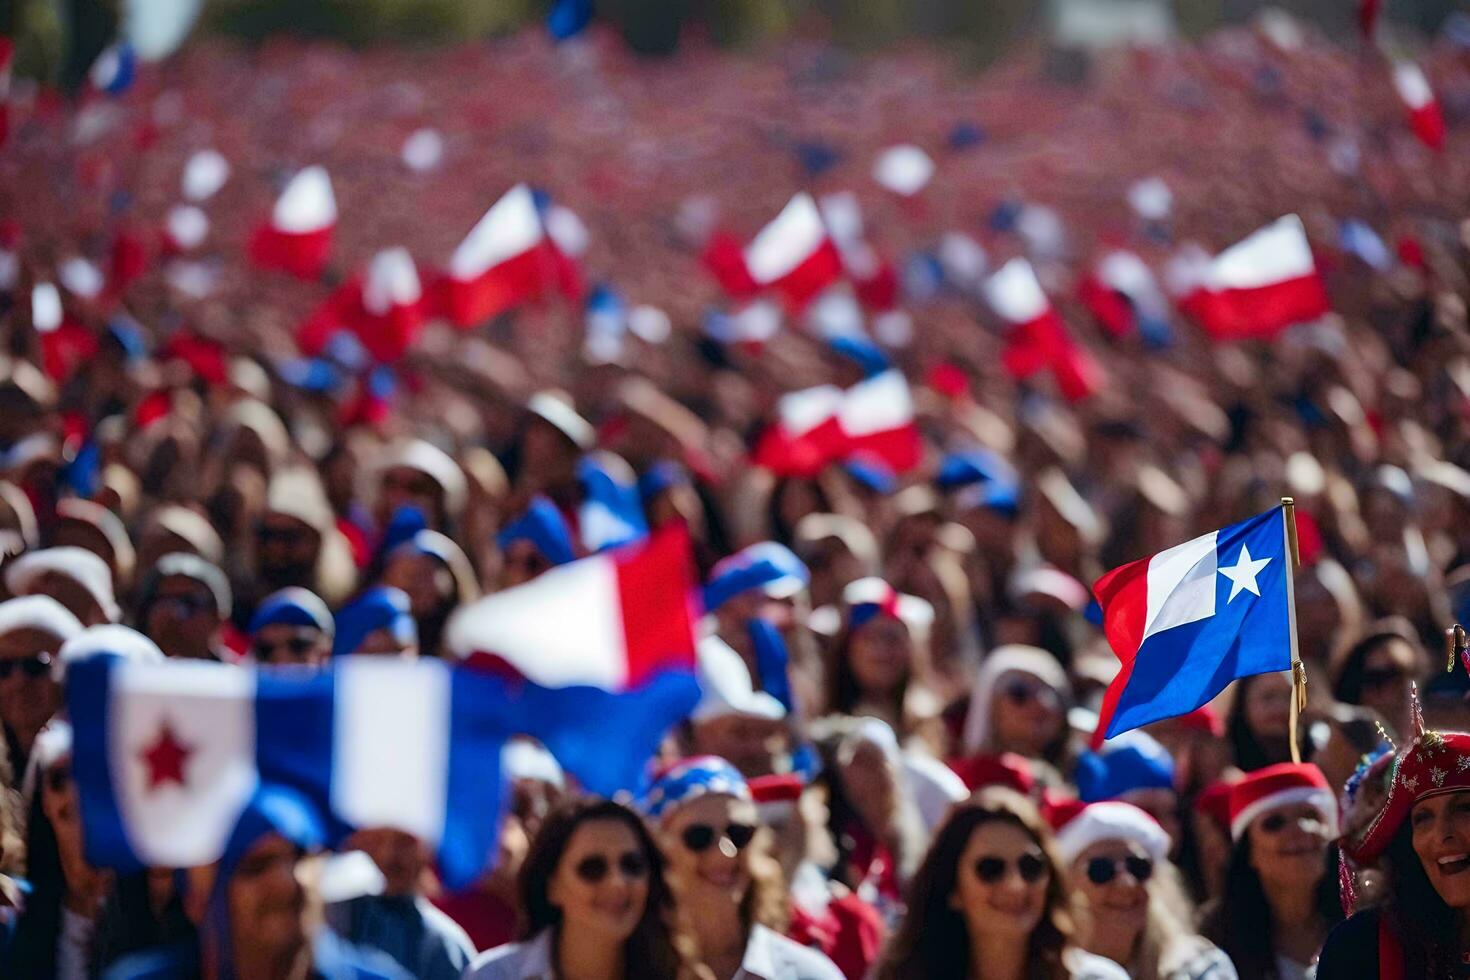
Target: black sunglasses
(1031, 868)
(298, 645)
(1101, 870)
(596, 867)
(29, 667)
(1020, 692)
(699, 836)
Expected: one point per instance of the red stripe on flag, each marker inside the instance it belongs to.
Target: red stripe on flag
(303, 255)
(656, 588)
(1123, 596)
(1234, 314)
(815, 273)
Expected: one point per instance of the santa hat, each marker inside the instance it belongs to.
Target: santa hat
(1108, 821)
(1281, 785)
(776, 796)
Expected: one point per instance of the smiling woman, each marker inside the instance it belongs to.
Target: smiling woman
(1422, 837)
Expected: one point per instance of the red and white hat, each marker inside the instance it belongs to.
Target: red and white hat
(776, 796)
(1435, 764)
(1274, 787)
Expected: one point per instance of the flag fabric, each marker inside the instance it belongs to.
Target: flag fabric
(819, 426)
(115, 69)
(1123, 297)
(1259, 286)
(1037, 340)
(384, 308)
(611, 514)
(298, 236)
(612, 636)
(512, 256)
(793, 257)
(1187, 621)
(1426, 118)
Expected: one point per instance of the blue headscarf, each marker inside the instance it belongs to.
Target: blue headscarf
(545, 527)
(765, 565)
(996, 480)
(690, 778)
(380, 607)
(1139, 762)
(293, 606)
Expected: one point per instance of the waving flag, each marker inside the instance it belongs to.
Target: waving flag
(611, 514)
(114, 70)
(793, 256)
(298, 237)
(384, 308)
(1425, 117)
(1123, 296)
(1187, 621)
(823, 425)
(1259, 286)
(613, 636)
(515, 254)
(1037, 340)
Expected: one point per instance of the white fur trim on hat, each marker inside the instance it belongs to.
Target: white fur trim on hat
(41, 613)
(1112, 820)
(84, 567)
(1318, 796)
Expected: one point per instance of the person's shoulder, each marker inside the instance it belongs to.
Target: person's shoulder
(1351, 949)
(514, 961)
(789, 959)
(1196, 958)
(1082, 965)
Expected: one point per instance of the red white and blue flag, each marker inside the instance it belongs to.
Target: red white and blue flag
(1187, 621)
(819, 426)
(1259, 286)
(298, 237)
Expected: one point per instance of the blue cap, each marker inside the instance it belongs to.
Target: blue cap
(872, 472)
(766, 565)
(688, 779)
(380, 607)
(273, 810)
(999, 484)
(545, 527)
(293, 606)
(1133, 761)
(659, 477)
(863, 352)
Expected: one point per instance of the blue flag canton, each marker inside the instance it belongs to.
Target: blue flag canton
(1185, 667)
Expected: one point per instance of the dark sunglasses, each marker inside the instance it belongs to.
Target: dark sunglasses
(1031, 868)
(596, 867)
(298, 645)
(1020, 692)
(29, 667)
(1275, 823)
(1381, 678)
(700, 836)
(1101, 870)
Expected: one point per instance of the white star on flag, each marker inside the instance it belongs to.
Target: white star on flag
(1242, 574)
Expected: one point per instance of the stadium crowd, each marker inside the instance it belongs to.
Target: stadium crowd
(888, 772)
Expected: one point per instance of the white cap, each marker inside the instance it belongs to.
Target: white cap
(1010, 658)
(915, 613)
(416, 454)
(41, 613)
(109, 638)
(84, 567)
(726, 687)
(522, 758)
(560, 413)
(1112, 820)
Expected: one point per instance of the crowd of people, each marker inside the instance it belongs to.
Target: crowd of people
(888, 771)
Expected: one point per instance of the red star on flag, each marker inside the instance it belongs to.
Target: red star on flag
(165, 758)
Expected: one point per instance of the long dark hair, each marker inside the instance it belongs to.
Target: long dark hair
(1240, 923)
(1347, 682)
(1418, 915)
(1249, 753)
(843, 692)
(932, 941)
(650, 951)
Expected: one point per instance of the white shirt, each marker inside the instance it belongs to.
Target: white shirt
(768, 956)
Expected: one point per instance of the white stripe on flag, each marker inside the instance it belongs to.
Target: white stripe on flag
(510, 228)
(182, 741)
(1181, 585)
(562, 628)
(1274, 254)
(788, 241)
(1015, 294)
(390, 746)
(879, 404)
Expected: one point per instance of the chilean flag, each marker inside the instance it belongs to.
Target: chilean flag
(1187, 621)
(793, 256)
(298, 237)
(515, 254)
(1037, 339)
(384, 308)
(822, 425)
(614, 633)
(1123, 296)
(1425, 117)
(1259, 286)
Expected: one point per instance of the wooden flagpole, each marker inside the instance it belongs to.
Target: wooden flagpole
(1298, 672)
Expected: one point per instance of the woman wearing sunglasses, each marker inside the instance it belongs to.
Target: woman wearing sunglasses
(593, 864)
(728, 886)
(991, 902)
(1281, 885)
(1019, 704)
(1133, 906)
